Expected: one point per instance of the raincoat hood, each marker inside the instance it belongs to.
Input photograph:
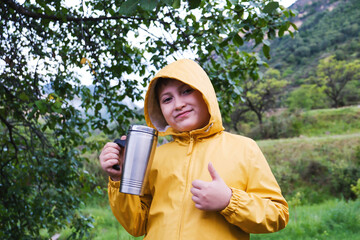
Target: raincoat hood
(190, 73)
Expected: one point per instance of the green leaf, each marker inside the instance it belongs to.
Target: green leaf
(24, 97)
(176, 4)
(270, 7)
(294, 26)
(224, 43)
(287, 14)
(57, 107)
(266, 42)
(194, 3)
(238, 40)
(41, 106)
(271, 34)
(148, 5)
(168, 2)
(128, 7)
(98, 107)
(281, 31)
(226, 40)
(266, 51)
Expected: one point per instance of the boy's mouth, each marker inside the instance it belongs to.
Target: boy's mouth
(182, 114)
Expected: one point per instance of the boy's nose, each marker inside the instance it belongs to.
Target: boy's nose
(179, 104)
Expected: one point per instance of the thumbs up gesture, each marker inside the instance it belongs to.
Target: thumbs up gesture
(211, 196)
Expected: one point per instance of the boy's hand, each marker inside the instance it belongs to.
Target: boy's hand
(211, 196)
(111, 155)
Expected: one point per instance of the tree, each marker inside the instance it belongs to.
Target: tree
(307, 96)
(261, 96)
(334, 75)
(44, 43)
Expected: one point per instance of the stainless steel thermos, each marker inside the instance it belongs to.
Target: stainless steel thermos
(140, 147)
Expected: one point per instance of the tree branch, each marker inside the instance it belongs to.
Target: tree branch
(26, 12)
(10, 128)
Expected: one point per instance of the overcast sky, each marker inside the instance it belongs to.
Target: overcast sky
(286, 3)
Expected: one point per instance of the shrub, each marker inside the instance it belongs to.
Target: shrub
(356, 188)
(316, 167)
(307, 97)
(342, 178)
(352, 93)
(315, 172)
(284, 125)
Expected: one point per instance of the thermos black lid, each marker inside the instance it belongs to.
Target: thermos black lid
(144, 129)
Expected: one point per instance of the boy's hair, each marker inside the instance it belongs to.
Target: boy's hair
(160, 82)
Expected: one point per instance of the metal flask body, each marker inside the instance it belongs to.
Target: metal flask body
(140, 147)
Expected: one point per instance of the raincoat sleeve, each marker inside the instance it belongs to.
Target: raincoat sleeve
(130, 210)
(260, 208)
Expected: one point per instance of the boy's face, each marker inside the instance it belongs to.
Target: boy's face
(183, 107)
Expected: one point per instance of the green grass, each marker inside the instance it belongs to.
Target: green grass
(318, 167)
(324, 148)
(105, 224)
(312, 123)
(331, 220)
(322, 122)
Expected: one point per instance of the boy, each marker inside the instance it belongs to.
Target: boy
(206, 183)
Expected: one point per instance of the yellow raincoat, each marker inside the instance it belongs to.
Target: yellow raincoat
(166, 211)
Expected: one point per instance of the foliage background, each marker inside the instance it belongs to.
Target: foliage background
(52, 125)
(43, 130)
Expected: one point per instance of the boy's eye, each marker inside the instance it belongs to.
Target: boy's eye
(166, 100)
(188, 91)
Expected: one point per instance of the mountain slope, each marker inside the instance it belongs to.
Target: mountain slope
(326, 27)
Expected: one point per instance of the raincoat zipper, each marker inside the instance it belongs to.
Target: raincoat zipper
(187, 188)
(191, 145)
